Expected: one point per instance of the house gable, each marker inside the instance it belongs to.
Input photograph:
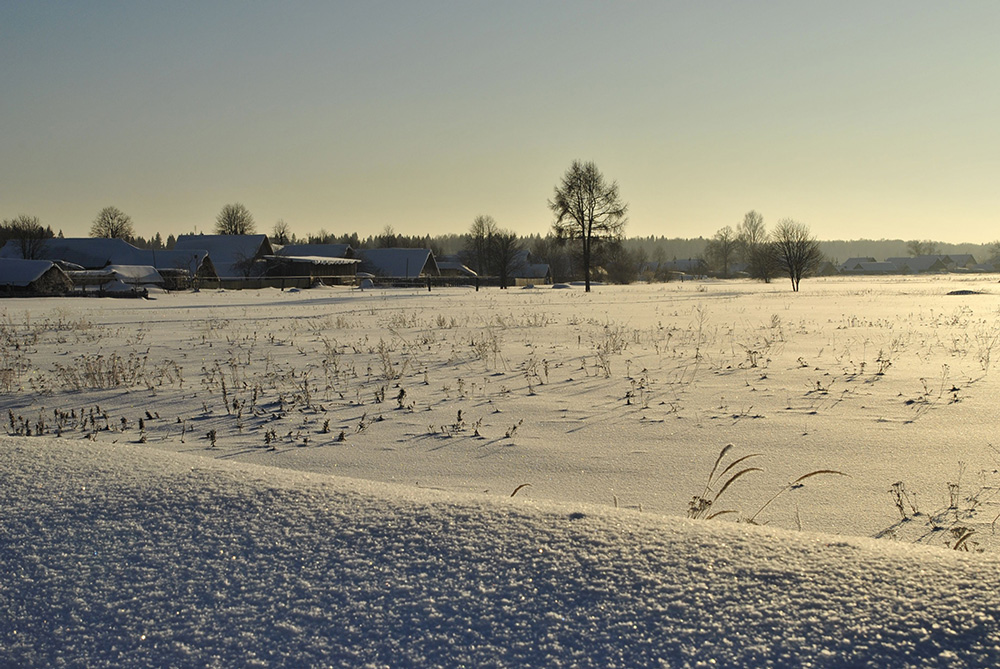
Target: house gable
(232, 255)
(399, 263)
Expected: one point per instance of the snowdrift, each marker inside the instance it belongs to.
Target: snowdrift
(124, 555)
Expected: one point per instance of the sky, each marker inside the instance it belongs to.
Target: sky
(859, 119)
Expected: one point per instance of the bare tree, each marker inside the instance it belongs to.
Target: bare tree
(587, 209)
(754, 247)
(281, 233)
(795, 250)
(388, 239)
(916, 248)
(113, 223)
(722, 249)
(477, 249)
(493, 251)
(27, 232)
(504, 255)
(235, 219)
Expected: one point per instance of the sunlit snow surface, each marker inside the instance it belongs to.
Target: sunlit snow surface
(116, 555)
(336, 522)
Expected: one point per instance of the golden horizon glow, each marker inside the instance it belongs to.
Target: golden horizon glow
(861, 120)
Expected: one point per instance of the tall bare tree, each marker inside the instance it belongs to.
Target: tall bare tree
(796, 251)
(588, 209)
(722, 249)
(27, 232)
(492, 250)
(281, 233)
(112, 223)
(754, 247)
(235, 219)
(477, 249)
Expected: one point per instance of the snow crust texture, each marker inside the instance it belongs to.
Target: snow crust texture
(125, 555)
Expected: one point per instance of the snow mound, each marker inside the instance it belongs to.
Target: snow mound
(123, 555)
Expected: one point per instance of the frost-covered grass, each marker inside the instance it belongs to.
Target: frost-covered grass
(612, 405)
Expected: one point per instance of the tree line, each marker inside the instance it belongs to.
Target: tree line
(586, 240)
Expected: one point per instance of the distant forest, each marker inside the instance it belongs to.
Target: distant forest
(652, 247)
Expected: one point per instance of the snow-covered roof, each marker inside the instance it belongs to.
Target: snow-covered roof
(408, 263)
(136, 273)
(961, 259)
(852, 263)
(875, 268)
(456, 267)
(98, 252)
(314, 250)
(315, 260)
(227, 252)
(931, 263)
(533, 271)
(20, 272)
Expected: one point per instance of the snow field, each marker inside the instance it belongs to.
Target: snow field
(121, 555)
(207, 476)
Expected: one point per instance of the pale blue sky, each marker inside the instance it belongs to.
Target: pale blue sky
(860, 119)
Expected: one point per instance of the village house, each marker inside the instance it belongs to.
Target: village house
(960, 261)
(117, 279)
(32, 277)
(176, 267)
(331, 263)
(872, 267)
(854, 265)
(454, 267)
(530, 273)
(343, 270)
(398, 263)
(919, 264)
(233, 256)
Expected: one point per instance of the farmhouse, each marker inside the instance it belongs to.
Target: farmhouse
(454, 267)
(874, 268)
(233, 256)
(98, 253)
(117, 278)
(854, 265)
(315, 261)
(960, 261)
(919, 264)
(32, 277)
(399, 263)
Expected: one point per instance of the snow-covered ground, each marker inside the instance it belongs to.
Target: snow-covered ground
(324, 477)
